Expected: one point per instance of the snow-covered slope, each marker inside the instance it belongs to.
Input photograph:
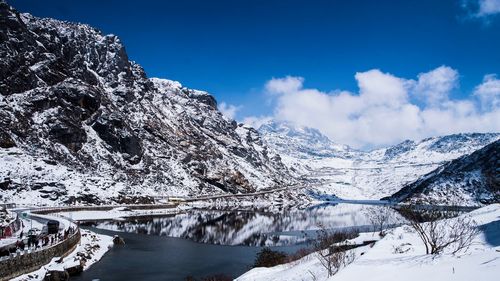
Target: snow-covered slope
(400, 255)
(305, 150)
(385, 171)
(301, 142)
(80, 122)
(469, 180)
(351, 174)
(434, 149)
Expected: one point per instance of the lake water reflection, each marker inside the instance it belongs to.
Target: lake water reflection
(200, 243)
(248, 228)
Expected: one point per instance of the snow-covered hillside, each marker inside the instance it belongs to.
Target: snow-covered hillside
(301, 142)
(79, 122)
(352, 174)
(469, 180)
(400, 255)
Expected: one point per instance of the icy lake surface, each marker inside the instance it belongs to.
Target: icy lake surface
(201, 243)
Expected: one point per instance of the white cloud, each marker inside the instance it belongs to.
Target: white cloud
(434, 86)
(284, 85)
(482, 8)
(489, 92)
(228, 110)
(383, 113)
(377, 88)
(257, 121)
(488, 7)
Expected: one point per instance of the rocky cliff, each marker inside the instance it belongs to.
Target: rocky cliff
(80, 122)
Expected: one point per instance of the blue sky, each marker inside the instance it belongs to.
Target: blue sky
(233, 48)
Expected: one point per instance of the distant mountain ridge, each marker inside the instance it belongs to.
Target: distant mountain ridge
(338, 170)
(439, 148)
(300, 141)
(472, 179)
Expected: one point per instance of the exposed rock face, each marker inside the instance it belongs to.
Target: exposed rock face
(469, 180)
(74, 110)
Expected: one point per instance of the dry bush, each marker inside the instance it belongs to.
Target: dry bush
(268, 258)
(380, 218)
(438, 231)
(333, 257)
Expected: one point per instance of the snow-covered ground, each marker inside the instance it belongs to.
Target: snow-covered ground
(381, 262)
(351, 174)
(93, 245)
(90, 250)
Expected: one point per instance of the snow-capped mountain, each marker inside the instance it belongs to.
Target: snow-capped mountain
(471, 180)
(350, 174)
(82, 123)
(435, 149)
(300, 141)
(383, 172)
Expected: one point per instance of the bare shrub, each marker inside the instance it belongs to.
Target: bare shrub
(326, 238)
(312, 275)
(333, 259)
(299, 254)
(401, 249)
(380, 218)
(331, 252)
(438, 231)
(268, 258)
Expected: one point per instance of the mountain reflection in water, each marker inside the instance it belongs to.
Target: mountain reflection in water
(249, 228)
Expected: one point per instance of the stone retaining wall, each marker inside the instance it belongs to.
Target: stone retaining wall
(28, 262)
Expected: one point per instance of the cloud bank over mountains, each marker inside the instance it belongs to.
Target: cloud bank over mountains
(387, 109)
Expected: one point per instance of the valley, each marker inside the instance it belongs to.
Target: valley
(144, 178)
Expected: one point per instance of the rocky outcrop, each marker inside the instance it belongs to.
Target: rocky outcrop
(76, 111)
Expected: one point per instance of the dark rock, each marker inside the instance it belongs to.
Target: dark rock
(117, 240)
(5, 140)
(50, 162)
(202, 97)
(75, 270)
(5, 184)
(70, 135)
(116, 133)
(128, 200)
(76, 87)
(54, 275)
(88, 199)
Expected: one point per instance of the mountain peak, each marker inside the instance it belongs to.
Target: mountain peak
(70, 96)
(300, 141)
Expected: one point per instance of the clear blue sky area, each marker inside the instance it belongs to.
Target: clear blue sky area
(232, 47)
